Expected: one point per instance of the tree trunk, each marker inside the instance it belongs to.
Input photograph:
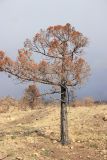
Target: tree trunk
(63, 116)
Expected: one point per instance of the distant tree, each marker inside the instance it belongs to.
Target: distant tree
(62, 65)
(32, 95)
(73, 97)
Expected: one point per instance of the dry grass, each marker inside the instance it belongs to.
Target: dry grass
(34, 134)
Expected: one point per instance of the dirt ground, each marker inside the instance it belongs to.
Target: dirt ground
(34, 135)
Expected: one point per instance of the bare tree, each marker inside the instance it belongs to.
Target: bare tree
(62, 66)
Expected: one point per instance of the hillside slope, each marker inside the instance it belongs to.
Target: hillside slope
(34, 135)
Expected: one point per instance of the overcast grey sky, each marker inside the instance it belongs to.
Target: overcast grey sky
(21, 19)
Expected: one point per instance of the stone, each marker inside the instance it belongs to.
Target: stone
(105, 118)
(71, 147)
(88, 157)
(19, 158)
(43, 149)
(36, 154)
(54, 141)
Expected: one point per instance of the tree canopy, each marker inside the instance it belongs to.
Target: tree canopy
(52, 44)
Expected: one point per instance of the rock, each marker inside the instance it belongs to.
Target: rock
(54, 141)
(101, 116)
(43, 149)
(36, 154)
(19, 158)
(71, 147)
(40, 132)
(52, 134)
(105, 118)
(88, 157)
(19, 124)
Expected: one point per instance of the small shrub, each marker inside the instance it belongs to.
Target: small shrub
(8, 104)
(31, 97)
(87, 101)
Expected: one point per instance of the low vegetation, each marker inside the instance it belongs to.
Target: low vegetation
(34, 134)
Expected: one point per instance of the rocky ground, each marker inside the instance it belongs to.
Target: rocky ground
(34, 134)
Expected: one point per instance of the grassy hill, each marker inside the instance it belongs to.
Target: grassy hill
(34, 134)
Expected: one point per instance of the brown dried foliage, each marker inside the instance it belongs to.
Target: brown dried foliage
(61, 48)
(32, 96)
